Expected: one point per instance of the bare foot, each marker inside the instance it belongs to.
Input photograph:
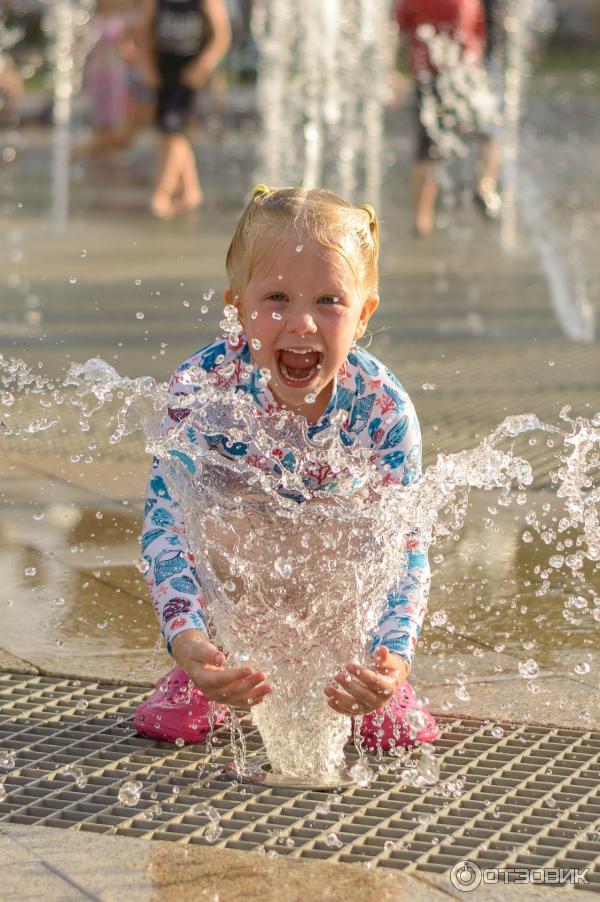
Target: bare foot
(190, 201)
(162, 207)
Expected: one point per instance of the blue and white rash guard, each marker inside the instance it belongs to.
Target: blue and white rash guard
(378, 415)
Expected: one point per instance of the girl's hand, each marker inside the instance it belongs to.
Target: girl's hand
(361, 690)
(240, 687)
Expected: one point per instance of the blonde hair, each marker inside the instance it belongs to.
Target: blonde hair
(275, 215)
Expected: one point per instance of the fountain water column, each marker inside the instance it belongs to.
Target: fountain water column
(63, 28)
(321, 89)
(378, 64)
(517, 23)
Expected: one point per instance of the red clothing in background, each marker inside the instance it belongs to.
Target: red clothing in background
(463, 20)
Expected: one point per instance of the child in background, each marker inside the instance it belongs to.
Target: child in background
(139, 100)
(106, 73)
(464, 22)
(184, 42)
(301, 314)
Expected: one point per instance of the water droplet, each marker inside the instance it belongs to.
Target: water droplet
(102, 625)
(256, 344)
(277, 316)
(212, 832)
(75, 773)
(333, 841)
(299, 248)
(362, 774)
(310, 398)
(138, 282)
(7, 759)
(323, 809)
(529, 669)
(254, 314)
(497, 732)
(2, 792)
(185, 303)
(582, 668)
(142, 565)
(139, 315)
(82, 704)
(179, 742)
(130, 792)
(83, 252)
(30, 571)
(73, 280)
(283, 567)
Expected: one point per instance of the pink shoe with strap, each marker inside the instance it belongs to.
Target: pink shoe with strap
(175, 710)
(408, 723)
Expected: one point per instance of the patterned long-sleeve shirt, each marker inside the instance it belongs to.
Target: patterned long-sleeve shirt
(377, 415)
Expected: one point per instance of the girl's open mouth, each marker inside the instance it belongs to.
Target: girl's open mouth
(298, 367)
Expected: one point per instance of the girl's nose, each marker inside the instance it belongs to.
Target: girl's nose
(301, 324)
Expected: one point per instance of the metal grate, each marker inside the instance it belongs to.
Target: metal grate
(530, 797)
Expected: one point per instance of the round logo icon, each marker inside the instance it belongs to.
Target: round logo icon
(465, 876)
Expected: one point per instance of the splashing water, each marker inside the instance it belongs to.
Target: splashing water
(294, 588)
(295, 579)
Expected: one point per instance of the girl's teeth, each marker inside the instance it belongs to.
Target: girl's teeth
(288, 375)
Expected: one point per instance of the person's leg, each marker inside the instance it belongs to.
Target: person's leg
(424, 172)
(486, 188)
(425, 189)
(193, 195)
(173, 153)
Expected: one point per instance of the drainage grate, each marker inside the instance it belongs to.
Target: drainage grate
(530, 795)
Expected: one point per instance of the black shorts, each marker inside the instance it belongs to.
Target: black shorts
(174, 100)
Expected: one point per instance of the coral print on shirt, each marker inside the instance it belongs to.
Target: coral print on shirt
(378, 415)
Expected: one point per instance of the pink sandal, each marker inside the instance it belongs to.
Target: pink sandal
(176, 711)
(410, 723)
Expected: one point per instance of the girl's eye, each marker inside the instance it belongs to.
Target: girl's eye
(330, 299)
(276, 296)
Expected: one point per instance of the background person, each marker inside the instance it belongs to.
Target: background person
(184, 41)
(462, 21)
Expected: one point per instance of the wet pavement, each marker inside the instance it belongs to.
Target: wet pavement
(471, 331)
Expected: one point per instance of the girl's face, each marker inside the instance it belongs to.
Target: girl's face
(301, 311)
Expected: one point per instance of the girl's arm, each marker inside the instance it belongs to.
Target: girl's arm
(402, 618)
(173, 583)
(172, 580)
(197, 72)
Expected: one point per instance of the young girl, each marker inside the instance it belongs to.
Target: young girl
(184, 42)
(303, 276)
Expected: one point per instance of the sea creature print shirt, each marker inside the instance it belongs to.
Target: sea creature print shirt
(377, 415)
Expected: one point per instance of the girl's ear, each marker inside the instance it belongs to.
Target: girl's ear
(369, 307)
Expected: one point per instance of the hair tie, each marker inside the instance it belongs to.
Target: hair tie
(261, 191)
(370, 213)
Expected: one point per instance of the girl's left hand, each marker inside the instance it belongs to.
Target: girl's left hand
(361, 690)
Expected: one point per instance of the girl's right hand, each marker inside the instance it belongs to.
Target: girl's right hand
(240, 687)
